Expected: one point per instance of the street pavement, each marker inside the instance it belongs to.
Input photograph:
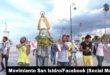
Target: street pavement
(14, 53)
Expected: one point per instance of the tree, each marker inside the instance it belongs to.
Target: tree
(106, 37)
(105, 9)
(95, 38)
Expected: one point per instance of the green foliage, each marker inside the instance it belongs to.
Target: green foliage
(106, 37)
(43, 40)
(106, 7)
(95, 38)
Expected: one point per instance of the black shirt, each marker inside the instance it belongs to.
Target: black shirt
(86, 47)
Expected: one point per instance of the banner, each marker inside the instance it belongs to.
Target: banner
(51, 69)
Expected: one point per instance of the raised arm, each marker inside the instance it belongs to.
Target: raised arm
(19, 45)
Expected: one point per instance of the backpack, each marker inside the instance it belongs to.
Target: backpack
(95, 48)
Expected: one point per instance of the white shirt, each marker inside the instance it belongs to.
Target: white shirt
(6, 46)
(100, 49)
(1, 47)
(74, 45)
(62, 55)
(43, 25)
(58, 45)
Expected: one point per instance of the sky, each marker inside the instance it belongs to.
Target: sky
(22, 17)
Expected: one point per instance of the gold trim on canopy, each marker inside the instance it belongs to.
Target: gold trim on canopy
(42, 13)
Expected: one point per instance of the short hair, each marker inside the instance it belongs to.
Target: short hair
(68, 36)
(5, 37)
(96, 37)
(23, 39)
(87, 37)
(64, 35)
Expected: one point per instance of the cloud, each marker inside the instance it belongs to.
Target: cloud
(22, 16)
(91, 20)
(93, 4)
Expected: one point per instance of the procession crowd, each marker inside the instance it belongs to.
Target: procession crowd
(63, 49)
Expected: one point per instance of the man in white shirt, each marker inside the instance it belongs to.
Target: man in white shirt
(5, 52)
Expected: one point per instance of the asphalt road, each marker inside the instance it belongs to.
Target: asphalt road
(14, 53)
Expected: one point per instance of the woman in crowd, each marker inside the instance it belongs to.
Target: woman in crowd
(100, 47)
(62, 52)
(23, 52)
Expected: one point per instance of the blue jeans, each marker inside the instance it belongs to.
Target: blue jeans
(6, 61)
(100, 60)
(41, 61)
(42, 55)
(62, 63)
